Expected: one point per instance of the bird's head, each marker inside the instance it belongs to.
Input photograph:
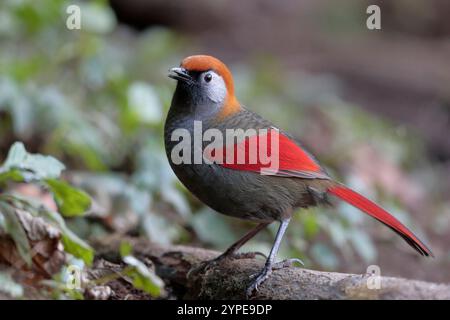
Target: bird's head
(207, 84)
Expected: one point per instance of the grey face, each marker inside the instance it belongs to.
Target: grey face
(213, 87)
(202, 88)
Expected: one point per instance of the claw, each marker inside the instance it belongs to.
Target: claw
(203, 266)
(260, 278)
(287, 263)
(253, 275)
(265, 273)
(206, 265)
(267, 270)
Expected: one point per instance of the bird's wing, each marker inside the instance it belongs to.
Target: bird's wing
(295, 162)
(273, 153)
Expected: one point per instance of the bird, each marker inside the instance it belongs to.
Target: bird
(205, 95)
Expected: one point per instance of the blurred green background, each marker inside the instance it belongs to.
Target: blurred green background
(373, 106)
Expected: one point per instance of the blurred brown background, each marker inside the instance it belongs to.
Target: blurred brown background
(372, 105)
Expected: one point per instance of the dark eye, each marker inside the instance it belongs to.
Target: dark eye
(208, 77)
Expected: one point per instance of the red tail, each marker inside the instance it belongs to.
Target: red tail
(372, 209)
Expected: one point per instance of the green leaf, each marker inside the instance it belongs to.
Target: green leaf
(43, 167)
(72, 243)
(11, 175)
(14, 228)
(71, 201)
(16, 155)
(125, 249)
(143, 278)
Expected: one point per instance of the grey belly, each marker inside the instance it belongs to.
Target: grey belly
(241, 194)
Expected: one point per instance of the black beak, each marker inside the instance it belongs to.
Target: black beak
(180, 74)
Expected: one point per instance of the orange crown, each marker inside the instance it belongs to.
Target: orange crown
(201, 63)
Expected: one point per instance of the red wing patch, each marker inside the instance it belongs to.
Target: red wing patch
(272, 153)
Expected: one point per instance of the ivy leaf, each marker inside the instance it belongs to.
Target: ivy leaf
(143, 278)
(125, 249)
(11, 175)
(14, 228)
(71, 201)
(72, 243)
(16, 155)
(42, 167)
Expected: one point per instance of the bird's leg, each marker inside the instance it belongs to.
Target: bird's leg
(267, 270)
(231, 251)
